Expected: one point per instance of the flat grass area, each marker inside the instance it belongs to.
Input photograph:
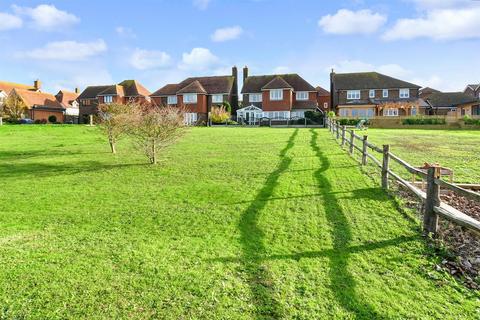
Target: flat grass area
(234, 224)
(455, 149)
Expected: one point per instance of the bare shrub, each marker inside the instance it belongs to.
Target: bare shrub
(219, 114)
(115, 121)
(154, 128)
(14, 107)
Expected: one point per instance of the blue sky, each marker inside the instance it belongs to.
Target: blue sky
(77, 43)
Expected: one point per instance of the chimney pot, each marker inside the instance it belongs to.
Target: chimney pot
(77, 90)
(245, 73)
(37, 84)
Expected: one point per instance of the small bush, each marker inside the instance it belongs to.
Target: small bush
(314, 117)
(38, 121)
(219, 115)
(351, 122)
(52, 119)
(470, 121)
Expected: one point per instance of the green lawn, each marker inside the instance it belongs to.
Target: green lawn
(234, 224)
(456, 149)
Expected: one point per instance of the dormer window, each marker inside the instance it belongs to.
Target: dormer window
(302, 95)
(172, 100)
(107, 99)
(371, 94)
(190, 98)
(276, 94)
(217, 98)
(404, 93)
(385, 93)
(353, 94)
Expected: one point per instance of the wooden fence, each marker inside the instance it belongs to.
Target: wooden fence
(433, 206)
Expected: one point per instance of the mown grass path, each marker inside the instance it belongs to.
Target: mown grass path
(234, 224)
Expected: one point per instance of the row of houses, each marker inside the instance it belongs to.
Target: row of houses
(278, 96)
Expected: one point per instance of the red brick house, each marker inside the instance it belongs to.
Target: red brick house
(323, 99)
(7, 87)
(370, 94)
(124, 92)
(280, 96)
(69, 102)
(197, 95)
(39, 105)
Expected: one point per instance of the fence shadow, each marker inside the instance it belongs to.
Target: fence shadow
(259, 279)
(342, 283)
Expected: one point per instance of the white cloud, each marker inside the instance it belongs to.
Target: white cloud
(66, 51)
(438, 24)
(352, 22)
(149, 59)
(47, 17)
(393, 70)
(125, 32)
(225, 34)
(201, 4)
(9, 21)
(199, 59)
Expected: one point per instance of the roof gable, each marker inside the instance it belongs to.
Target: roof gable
(322, 92)
(194, 87)
(91, 92)
(34, 98)
(369, 80)
(254, 84)
(9, 86)
(133, 88)
(277, 83)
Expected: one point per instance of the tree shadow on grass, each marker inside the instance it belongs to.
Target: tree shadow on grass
(343, 283)
(260, 281)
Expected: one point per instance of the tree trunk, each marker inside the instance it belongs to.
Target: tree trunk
(154, 152)
(112, 145)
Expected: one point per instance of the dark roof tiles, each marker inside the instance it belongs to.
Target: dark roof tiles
(369, 80)
(449, 99)
(254, 84)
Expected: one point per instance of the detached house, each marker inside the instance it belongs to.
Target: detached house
(197, 95)
(7, 87)
(124, 92)
(69, 102)
(370, 94)
(281, 96)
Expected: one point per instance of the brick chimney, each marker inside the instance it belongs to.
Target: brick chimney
(235, 88)
(245, 73)
(333, 93)
(37, 84)
(77, 91)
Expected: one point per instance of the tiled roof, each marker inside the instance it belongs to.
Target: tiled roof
(33, 98)
(322, 92)
(92, 92)
(66, 98)
(9, 86)
(277, 83)
(254, 84)
(168, 90)
(369, 80)
(474, 87)
(113, 90)
(449, 99)
(194, 87)
(133, 88)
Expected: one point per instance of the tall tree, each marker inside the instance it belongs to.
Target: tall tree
(14, 107)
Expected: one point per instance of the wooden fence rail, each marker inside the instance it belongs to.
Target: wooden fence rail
(433, 206)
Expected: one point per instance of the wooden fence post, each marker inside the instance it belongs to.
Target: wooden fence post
(386, 160)
(338, 132)
(91, 119)
(364, 151)
(430, 218)
(352, 141)
(344, 130)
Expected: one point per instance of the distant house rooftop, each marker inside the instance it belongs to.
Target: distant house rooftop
(369, 80)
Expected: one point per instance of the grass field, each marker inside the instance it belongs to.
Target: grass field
(234, 224)
(456, 149)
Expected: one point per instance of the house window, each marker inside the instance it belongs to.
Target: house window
(371, 94)
(255, 97)
(404, 93)
(190, 98)
(413, 111)
(325, 105)
(370, 113)
(391, 112)
(107, 99)
(343, 112)
(385, 93)
(276, 94)
(172, 100)
(217, 98)
(302, 95)
(476, 111)
(353, 94)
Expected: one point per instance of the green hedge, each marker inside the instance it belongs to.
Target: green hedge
(470, 121)
(351, 122)
(423, 121)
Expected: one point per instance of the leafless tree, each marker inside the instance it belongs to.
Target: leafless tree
(155, 128)
(114, 120)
